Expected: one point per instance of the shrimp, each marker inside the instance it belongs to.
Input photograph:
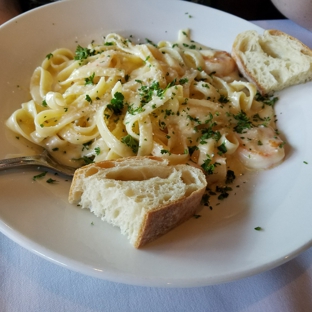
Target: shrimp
(260, 148)
(222, 64)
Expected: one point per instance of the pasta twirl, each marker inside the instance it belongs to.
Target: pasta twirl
(181, 101)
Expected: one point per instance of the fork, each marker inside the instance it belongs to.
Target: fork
(43, 160)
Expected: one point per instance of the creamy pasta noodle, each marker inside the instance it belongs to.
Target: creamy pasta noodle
(181, 101)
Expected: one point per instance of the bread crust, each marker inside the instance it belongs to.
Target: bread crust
(304, 48)
(162, 220)
(252, 40)
(158, 220)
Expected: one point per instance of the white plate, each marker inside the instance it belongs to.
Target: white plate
(220, 246)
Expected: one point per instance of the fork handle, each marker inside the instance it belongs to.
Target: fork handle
(16, 162)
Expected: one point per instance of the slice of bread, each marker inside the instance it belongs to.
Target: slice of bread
(144, 196)
(272, 61)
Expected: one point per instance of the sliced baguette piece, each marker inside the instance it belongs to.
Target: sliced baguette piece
(144, 196)
(272, 61)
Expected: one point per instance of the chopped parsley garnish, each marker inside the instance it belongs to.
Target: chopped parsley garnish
(265, 120)
(266, 99)
(117, 103)
(51, 181)
(243, 122)
(230, 177)
(147, 92)
(41, 175)
(86, 145)
(131, 142)
(222, 148)
(89, 80)
(205, 199)
(192, 149)
(258, 228)
(211, 74)
(190, 46)
(88, 98)
(208, 166)
(87, 160)
(97, 151)
(163, 151)
(82, 53)
(223, 191)
(48, 56)
(208, 133)
(44, 103)
(150, 42)
(132, 110)
(183, 81)
(223, 99)
(147, 58)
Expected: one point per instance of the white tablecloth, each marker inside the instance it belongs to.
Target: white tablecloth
(30, 283)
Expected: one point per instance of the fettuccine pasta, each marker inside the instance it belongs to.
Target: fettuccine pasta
(181, 101)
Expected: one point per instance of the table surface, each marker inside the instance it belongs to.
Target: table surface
(31, 283)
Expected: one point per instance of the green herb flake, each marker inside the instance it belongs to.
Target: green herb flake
(243, 122)
(88, 98)
(266, 99)
(48, 56)
(131, 142)
(183, 81)
(89, 80)
(223, 190)
(117, 103)
(163, 151)
(230, 177)
(192, 149)
(150, 42)
(222, 148)
(136, 110)
(51, 181)
(223, 99)
(82, 53)
(205, 200)
(38, 176)
(208, 166)
(258, 228)
(87, 160)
